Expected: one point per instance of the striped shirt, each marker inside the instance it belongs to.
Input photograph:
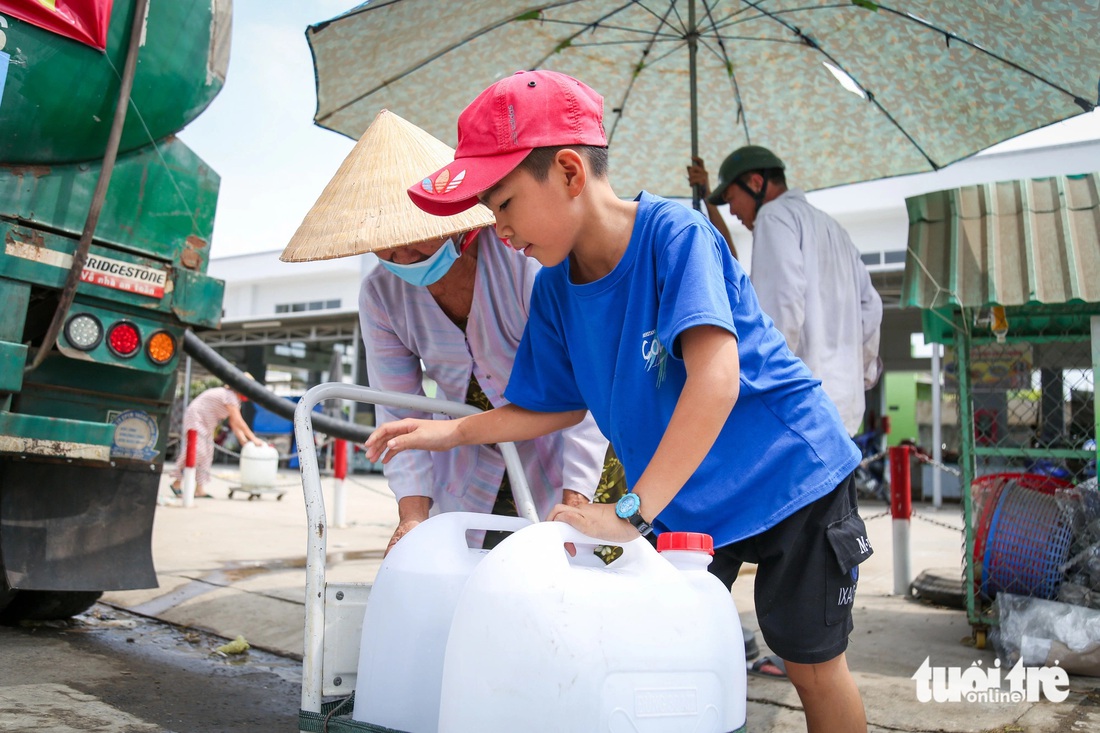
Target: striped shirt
(403, 327)
(206, 411)
(203, 415)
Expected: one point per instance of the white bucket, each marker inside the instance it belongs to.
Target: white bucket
(259, 465)
(408, 616)
(545, 642)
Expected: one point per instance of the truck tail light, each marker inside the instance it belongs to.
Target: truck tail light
(160, 348)
(84, 331)
(123, 339)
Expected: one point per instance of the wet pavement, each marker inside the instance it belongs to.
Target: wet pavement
(108, 670)
(236, 567)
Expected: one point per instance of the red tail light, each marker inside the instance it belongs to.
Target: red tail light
(124, 339)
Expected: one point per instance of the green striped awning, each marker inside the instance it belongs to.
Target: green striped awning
(1009, 243)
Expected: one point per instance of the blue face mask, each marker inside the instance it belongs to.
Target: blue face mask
(428, 271)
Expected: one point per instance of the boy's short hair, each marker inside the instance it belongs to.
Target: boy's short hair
(539, 161)
(500, 128)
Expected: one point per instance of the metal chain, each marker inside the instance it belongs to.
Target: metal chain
(937, 522)
(945, 525)
(871, 459)
(282, 457)
(936, 464)
(368, 487)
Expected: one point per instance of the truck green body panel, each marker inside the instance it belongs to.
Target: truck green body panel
(14, 297)
(197, 299)
(160, 203)
(60, 95)
(13, 357)
(37, 427)
(42, 259)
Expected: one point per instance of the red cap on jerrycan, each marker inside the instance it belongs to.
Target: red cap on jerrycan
(686, 541)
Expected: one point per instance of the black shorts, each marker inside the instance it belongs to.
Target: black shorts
(807, 568)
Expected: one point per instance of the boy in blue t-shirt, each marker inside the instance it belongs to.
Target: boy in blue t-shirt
(642, 316)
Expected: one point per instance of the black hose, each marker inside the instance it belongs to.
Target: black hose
(253, 390)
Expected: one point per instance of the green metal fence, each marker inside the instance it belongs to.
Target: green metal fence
(1028, 427)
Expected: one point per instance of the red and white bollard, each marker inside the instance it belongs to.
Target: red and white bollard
(188, 481)
(901, 509)
(340, 471)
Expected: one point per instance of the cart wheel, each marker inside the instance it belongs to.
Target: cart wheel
(279, 497)
(979, 638)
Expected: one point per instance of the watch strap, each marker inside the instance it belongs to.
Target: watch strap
(640, 524)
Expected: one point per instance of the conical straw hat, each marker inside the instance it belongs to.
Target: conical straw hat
(366, 207)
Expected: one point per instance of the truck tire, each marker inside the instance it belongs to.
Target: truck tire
(45, 605)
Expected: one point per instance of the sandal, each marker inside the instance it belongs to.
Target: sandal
(768, 666)
(178, 492)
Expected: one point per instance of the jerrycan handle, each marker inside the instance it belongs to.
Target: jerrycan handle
(448, 530)
(638, 555)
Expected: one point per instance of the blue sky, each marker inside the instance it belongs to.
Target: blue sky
(259, 135)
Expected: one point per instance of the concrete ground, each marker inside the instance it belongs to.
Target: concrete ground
(236, 567)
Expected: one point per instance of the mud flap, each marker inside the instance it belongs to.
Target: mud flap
(77, 527)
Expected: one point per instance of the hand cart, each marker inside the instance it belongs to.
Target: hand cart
(334, 611)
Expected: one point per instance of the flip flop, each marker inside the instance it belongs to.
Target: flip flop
(768, 666)
(177, 492)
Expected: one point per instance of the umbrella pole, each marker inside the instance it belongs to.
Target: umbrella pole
(693, 49)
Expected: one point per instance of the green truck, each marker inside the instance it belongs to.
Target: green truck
(84, 413)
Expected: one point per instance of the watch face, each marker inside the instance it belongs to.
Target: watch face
(628, 505)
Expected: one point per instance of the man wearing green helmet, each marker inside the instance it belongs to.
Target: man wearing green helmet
(807, 274)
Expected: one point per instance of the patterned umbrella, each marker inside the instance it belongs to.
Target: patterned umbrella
(843, 91)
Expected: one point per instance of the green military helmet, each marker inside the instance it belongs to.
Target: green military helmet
(739, 162)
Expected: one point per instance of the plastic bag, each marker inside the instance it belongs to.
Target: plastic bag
(1048, 633)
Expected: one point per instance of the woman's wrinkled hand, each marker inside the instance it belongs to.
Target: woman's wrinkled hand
(402, 529)
(574, 498)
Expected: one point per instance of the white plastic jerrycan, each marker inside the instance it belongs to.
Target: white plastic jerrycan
(544, 642)
(259, 465)
(408, 615)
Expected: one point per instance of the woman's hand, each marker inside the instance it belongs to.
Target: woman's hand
(410, 434)
(598, 521)
(574, 498)
(402, 529)
(411, 511)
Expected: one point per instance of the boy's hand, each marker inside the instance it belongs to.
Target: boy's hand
(598, 521)
(410, 434)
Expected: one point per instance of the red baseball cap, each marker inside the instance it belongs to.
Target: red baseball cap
(528, 110)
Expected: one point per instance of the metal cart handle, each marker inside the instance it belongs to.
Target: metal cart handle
(317, 521)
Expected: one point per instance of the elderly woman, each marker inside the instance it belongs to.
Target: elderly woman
(449, 302)
(205, 413)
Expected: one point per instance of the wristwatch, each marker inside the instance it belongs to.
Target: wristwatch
(627, 508)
